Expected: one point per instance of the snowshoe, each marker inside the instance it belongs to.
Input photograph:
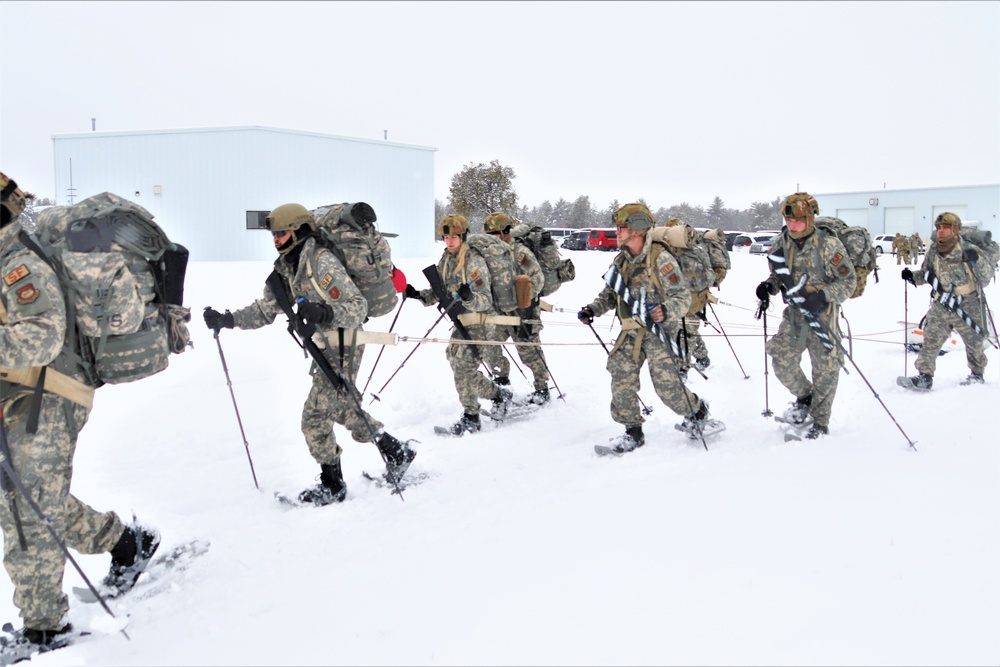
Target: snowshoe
(23, 644)
(700, 425)
(623, 444)
(702, 364)
(331, 487)
(501, 402)
(974, 378)
(467, 424)
(798, 413)
(539, 396)
(922, 382)
(398, 455)
(129, 558)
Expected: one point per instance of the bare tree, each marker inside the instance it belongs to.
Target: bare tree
(479, 190)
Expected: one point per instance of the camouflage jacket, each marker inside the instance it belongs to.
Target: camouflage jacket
(951, 270)
(464, 267)
(31, 299)
(822, 258)
(670, 291)
(319, 277)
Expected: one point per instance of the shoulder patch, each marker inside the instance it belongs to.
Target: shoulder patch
(843, 270)
(667, 268)
(17, 274)
(474, 275)
(674, 279)
(334, 293)
(327, 279)
(27, 294)
(836, 259)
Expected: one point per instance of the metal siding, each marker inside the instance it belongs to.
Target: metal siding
(899, 219)
(210, 178)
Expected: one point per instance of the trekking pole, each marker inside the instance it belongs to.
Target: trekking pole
(229, 383)
(819, 325)
(513, 361)
(906, 325)
(762, 311)
(682, 334)
(850, 338)
(375, 397)
(9, 475)
(723, 329)
(646, 410)
(391, 326)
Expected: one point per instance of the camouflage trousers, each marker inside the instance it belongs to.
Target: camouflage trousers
(624, 365)
(530, 355)
(470, 383)
(938, 326)
(44, 464)
(785, 349)
(690, 342)
(326, 406)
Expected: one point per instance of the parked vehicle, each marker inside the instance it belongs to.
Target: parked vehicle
(883, 244)
(762, 247)
(577, 240)
(743, 242)
(603, 239)
(560, 234)
(730, 237)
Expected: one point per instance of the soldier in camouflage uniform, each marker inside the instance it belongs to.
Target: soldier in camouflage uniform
(901, 246)
(529, 282)
(804, 254)
(336, 307)
(952, 266)
(33, 335)
(699, 276)
(466, 276)
(664, 283)
(916, 246)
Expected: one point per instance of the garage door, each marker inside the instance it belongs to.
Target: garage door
(900, 219)
(961, 210)
(854, 216)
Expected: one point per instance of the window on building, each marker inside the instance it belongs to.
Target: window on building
(256, 219)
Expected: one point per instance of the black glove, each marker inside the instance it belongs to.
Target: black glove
(411, 292)
(464, 292)
(316, 313)
(763, 291)
(814, 301)
(908, 276)
(215, 320)
(970, 255)
(586, 315)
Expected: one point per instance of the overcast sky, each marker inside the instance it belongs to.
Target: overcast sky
(673, 102)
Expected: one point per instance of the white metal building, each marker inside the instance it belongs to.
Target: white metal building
(206, 186)
(908, 211)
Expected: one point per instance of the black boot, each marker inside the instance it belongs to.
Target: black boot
(501, 401)
(129, 557)
(47, 637)
(539, 396)
(799, 412)
(398, 455)
(467, 424)
(331, 487)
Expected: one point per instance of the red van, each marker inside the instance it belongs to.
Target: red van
(603, 239)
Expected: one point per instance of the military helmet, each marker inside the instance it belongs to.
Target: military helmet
(948, 219)
(497, 222)
(672, 221)
(453, 225)
(634, 216)
(800, 205)
(290, 218)
(12, 199)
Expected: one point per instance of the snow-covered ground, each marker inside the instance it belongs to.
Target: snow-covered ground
(524, 547)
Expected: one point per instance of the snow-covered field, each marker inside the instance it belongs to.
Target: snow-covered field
(524, 547)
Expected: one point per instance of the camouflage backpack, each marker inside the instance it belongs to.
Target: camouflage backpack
(985, 266)
(348, 230)
(555, 269)
(715, 242)
(498, 258)
(858, 243)
(123, 282)
(694, 260)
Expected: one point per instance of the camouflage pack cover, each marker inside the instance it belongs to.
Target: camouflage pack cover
(985, 265)
(555, 269)
(497, 254)
(105, 251)
(348, 230)
(858, 242)
(681, 240)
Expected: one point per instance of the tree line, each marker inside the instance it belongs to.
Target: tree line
(480, 189)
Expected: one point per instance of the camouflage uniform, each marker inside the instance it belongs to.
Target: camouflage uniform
(953, 274)
(824, 260)
(34, 334)
(526, 264)
(916, 246)
(636, 345)
(901, 246)
(325, 406)
(468, 267)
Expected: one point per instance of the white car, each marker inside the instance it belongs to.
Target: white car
(883, 243)
(745, 241)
